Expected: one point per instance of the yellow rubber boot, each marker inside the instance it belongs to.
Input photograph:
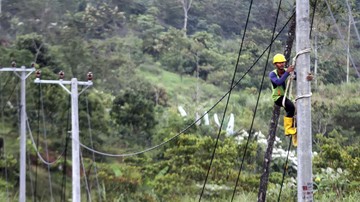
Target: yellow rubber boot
(288, 126)
(290, 129)
(294, 140)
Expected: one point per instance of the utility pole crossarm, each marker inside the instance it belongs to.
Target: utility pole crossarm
(22, 76)
(16, 69)
(62, 82)
(76, 191)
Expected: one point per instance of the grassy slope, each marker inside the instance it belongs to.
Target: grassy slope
(181, 90)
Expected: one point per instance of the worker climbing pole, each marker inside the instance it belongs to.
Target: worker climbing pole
(278, 78)
(303, 94)
(274, 122)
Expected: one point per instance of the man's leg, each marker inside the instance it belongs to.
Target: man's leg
(291, 128)
(289, 118)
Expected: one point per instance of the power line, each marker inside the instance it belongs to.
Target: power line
(11, 94)
(313, 16)
(86, 179)
(228, 99)
(285, 168)
(63, 183)
(37, 143)
(3, 151)
(76, 189)
(6, 83)
(6, 174)
(46, 145)
(30, 176)
(193, 123)
(342, 37)
(48, 163)
(352, 20)
(257, 101)
(22, 109)
(92, 145)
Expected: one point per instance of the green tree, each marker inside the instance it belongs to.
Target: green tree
(102, 21)
(149, 30)
(114, 61)
(134, 111)
(73, 58)
(36, 45)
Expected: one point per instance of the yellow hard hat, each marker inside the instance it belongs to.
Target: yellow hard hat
(279, 58)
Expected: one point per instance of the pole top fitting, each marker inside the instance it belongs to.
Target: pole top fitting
(90, 76)
(61, 75)
(38, 73)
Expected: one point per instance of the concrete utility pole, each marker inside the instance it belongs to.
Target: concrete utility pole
(304, 150)
(22, 76)
(76, 192)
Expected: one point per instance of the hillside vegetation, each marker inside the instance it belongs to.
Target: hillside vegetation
(149, 60)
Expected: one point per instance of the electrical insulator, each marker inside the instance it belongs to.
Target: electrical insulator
(13, 64)
(90, 76)
(38, 73)
(33, 64)
(61, 74)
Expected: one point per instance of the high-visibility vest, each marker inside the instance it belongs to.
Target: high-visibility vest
(278, 90)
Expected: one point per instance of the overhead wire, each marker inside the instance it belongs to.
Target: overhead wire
(352, 20)
(35, 146)
(342, 37)
(63, 183)
(11, 94)
(45, 141)
(3, 154)
(85, 177)
(229, 93)
(194, 122)
(227, 101)
(37, 143)
(313, 16)
(49, 163)
(285, 168)
(92, 145)
(257, 101)
(37, 135)
(6, 83)
(87, 185)
(31, 177)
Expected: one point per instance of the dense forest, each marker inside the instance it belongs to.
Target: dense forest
(162, 73)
